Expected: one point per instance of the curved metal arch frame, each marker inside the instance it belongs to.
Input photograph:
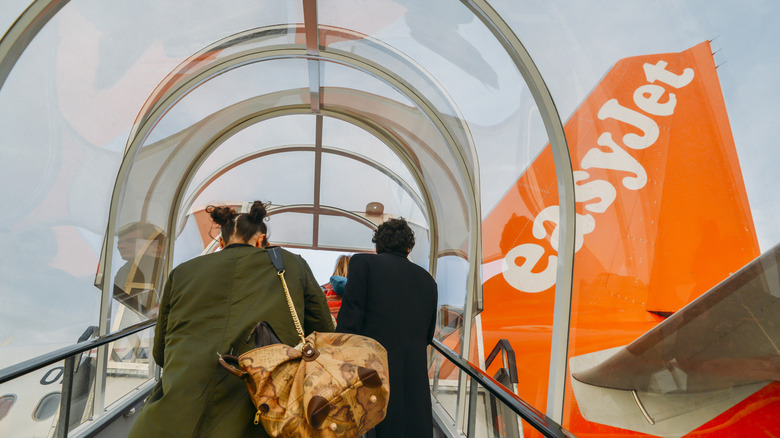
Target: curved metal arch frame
(395, 144)
(296, 148)
(565, 178)
(330, 211)
(23, 31)
(147, 121)
(473, 286)
(160, 105)
(163, 93)
(472, 179)
(35, 17)
(173, 94)
(195, 66)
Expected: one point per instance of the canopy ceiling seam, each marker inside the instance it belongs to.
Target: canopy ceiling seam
(317, 178)
(395, 144)
(310, 20)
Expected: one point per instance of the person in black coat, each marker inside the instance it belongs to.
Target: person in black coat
(392, 300)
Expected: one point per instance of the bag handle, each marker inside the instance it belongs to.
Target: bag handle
(275, 253)
(230, 363)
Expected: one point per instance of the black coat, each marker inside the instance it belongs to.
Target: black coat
(392, 300)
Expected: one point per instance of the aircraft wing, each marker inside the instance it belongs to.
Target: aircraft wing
(703, 360)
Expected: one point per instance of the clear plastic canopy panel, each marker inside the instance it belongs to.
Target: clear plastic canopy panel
(291, 130)
(590, 181)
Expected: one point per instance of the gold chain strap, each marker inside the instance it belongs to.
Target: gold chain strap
(292, 308)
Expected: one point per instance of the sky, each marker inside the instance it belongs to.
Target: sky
(574, 44)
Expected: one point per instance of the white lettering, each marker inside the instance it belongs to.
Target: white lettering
(520, 277)
(616, 159)
(646, 98)
(584, 224)
(613, 110)
(659, 72)
(596, 189)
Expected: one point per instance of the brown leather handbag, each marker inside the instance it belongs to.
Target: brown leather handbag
(329, 385)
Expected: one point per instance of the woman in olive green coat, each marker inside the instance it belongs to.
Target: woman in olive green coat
(210, 305)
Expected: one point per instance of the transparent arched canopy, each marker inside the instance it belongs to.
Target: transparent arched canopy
(417, 157)
(122, 121)
(153, 111)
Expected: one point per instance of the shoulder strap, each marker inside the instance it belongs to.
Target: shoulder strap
(275, 253)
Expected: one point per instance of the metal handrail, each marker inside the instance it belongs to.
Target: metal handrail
(36, 363)
(538, 420)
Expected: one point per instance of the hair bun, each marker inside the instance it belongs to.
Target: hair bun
(257, 212)
(221, 215)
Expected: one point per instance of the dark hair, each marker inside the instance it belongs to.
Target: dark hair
(394, 236)
(244, 225)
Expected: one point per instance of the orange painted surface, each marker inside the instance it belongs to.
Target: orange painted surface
(662, 217)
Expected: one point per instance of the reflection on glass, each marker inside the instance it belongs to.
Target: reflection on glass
(228, 89)
(189, 242)
(80, 369)
(444, 381)
(130, 364)
(141, 246)
(47, 296)
(451, 277)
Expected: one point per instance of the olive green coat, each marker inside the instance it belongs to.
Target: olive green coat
(209, 305)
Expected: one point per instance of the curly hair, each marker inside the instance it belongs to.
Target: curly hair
(394, 236)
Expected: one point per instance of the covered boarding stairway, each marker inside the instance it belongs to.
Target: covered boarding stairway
(122, 121)
(337, 129)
